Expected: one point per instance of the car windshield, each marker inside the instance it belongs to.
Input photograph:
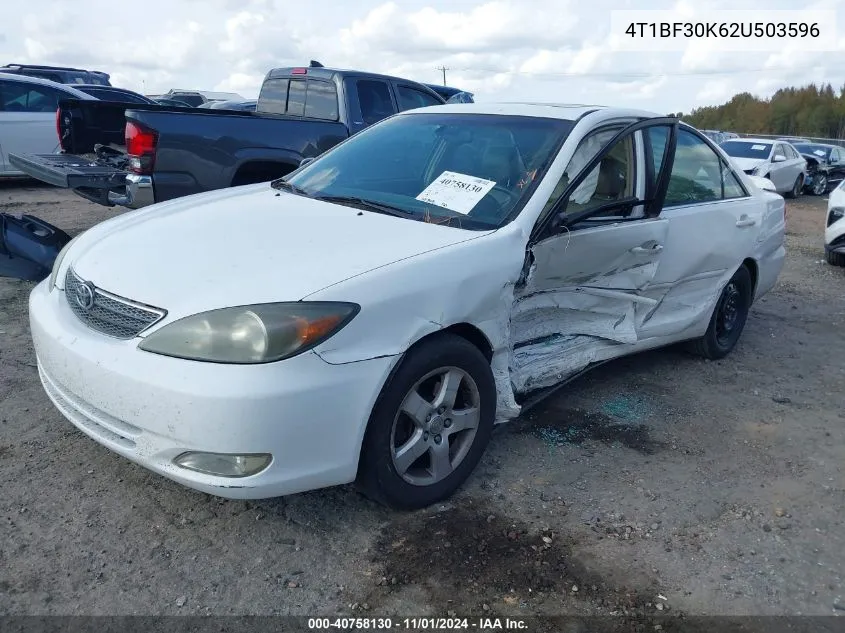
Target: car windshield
(819, 151)
(747, 149)
(472, 171)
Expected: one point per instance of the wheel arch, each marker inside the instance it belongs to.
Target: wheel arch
(255, 171)
(751, 264)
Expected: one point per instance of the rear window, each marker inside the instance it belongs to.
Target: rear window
(274, 96)
(191, 100)
(313, 98)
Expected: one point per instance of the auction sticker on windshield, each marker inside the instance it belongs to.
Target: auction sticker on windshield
(758, 147)
(456, 192)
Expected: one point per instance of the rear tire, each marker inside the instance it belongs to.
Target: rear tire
(728, 319)
(835, 259)
(430, 425)
(796, 188)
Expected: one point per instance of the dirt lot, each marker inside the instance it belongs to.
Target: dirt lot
(716, 485)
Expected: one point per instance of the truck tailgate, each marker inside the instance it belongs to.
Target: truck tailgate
(68, 171)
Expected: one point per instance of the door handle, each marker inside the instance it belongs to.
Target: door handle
(647, 250)
(745, 221)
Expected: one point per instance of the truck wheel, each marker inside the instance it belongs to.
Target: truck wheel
(430, 425)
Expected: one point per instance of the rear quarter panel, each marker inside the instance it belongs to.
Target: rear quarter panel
(769, 249)
(203, 150)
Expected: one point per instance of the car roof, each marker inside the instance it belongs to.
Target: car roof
(566, 111)
(746, 139)
(321, 72)
(46, 82)
(828, 145)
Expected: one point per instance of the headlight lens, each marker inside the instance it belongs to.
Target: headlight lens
(836, 214)
(251, 334)
(58, 263)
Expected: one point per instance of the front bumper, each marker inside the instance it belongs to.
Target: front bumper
(310, 415)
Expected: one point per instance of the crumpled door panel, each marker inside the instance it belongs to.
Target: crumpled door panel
(581, 300)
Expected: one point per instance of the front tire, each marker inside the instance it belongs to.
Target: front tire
(430, 425)
(820, 185)
(835, 259)
(729, 317)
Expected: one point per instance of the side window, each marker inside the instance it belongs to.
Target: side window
(612, 179)
(274, 96)
(409, 98)
(22, 97)
(733, 188)
(296, 97)
(658, 137)
(587, 150)
(698, 174)
(834, 156)
(321, 100)
(374, 99)
(779, 150)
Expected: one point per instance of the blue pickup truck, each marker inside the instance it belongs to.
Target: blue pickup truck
(133, 156)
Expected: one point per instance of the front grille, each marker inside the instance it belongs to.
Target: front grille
(112, 315)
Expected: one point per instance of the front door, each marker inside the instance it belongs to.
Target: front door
(592, 256)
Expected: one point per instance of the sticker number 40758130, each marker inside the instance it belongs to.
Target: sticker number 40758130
(456, 192)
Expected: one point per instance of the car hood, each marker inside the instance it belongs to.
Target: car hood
(748, 163)
(244, 245)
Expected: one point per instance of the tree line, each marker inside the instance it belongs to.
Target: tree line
(808, 111)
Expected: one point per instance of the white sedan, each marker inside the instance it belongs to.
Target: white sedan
(834, 233)
(370, 317)
(28, 117)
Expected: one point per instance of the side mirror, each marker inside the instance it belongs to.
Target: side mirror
(779, 158)
(305, 161)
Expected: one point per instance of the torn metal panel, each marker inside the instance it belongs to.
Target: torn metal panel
(583, 300)
(615, 256)
(545, 363)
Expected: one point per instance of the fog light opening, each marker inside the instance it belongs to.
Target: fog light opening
(224, 465)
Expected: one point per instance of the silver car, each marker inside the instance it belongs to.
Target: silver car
(778, 161)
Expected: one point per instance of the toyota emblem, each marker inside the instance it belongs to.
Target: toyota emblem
(84, 296)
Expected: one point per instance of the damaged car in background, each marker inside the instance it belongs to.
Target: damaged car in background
(429, 277)
(778, 162)
(825, 166)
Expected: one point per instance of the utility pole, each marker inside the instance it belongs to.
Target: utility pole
(444, 69)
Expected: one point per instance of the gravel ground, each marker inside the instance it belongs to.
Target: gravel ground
(715, 485)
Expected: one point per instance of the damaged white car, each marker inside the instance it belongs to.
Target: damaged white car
(373, 315)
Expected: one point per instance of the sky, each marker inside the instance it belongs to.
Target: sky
(561, 51)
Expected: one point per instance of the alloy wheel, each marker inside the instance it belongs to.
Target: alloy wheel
(435, 426)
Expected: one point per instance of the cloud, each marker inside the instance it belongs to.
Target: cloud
(502, 50)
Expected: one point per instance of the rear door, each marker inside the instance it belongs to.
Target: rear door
(27, 120)
(370, 100)
(408, 97)
(713, 225)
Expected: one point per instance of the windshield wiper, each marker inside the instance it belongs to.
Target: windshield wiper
(288, 186)
(369, 205)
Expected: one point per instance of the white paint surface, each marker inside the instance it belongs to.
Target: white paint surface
(592, 294)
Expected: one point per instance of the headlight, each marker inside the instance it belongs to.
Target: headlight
(836, 214)
(58, 263)
(251, 334)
